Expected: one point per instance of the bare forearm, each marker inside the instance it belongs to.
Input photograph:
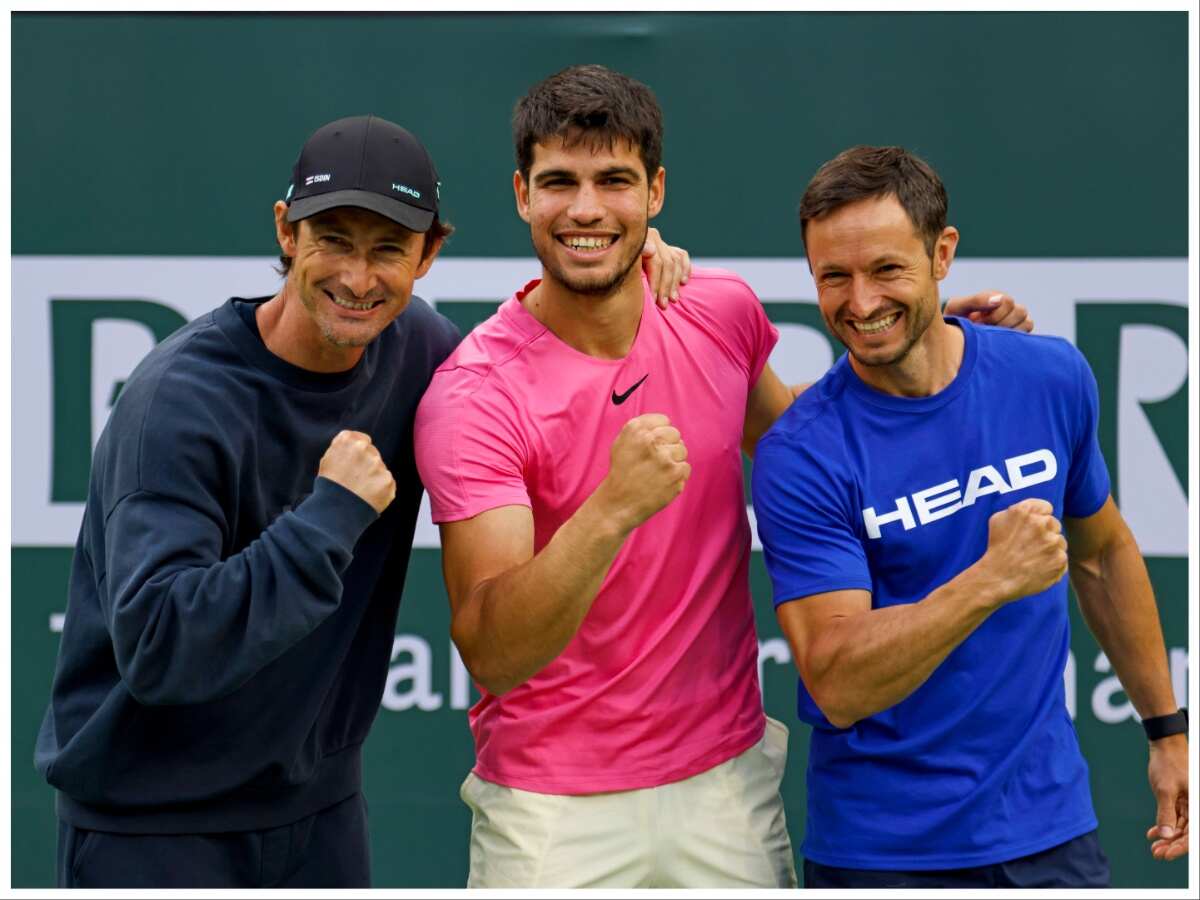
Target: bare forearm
(1117, 603)
(868, 662)
(514, 624)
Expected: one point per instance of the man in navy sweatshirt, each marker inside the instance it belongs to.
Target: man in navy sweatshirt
(235, 585)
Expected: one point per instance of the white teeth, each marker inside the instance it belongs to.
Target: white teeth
(346, 304)
(587, 243)
(878, 325)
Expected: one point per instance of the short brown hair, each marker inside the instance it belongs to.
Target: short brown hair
(589, 104)
(863, 172)
(438, 230)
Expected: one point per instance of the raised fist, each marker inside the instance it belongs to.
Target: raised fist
(1026, 552)
(354, 463)
(647, 469)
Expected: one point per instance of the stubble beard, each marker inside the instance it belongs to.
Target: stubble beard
(917, 319)
(329, 331)
(595, 286)
(338, 340)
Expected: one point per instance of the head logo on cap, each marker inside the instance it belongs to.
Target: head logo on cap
(365, 162)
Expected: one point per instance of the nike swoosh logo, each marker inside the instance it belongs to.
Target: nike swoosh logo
(618, 399)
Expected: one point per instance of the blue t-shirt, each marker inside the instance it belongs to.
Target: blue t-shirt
(856, 489)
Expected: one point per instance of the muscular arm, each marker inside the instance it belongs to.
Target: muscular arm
(767, 401)
(857, 661)
(1117, 603)
(512, 612)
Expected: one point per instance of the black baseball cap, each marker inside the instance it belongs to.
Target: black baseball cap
(368, 162)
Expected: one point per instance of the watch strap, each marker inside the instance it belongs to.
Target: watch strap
(1164, 726)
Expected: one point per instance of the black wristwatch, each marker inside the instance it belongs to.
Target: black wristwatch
(1165, 726)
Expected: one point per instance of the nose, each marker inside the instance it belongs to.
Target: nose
(862, 299)
(358, 277)
(585, 205)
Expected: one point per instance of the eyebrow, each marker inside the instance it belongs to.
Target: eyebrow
(329, 222)
(333, 222)
(620, 170)
(550, 174)
(883, 259)
(829, 267)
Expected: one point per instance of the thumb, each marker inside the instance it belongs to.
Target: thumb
(983, 302)
(649, 248)
(1165, 818)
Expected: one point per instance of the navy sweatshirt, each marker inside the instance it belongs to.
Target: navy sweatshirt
(230, 615)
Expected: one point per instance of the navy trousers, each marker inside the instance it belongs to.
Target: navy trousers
(1079, 863)
(327, 850)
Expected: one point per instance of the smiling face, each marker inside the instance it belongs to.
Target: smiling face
(876, 284)
(588, 207)
(352, 272)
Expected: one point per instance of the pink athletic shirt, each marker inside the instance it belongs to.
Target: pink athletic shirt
(661, 680)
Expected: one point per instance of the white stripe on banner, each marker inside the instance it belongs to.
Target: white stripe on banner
(1152, 361)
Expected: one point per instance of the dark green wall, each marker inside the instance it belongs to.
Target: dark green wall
(1061, 135)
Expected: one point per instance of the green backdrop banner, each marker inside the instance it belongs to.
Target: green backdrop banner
(147, 150)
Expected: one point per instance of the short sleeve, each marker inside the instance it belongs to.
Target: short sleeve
(802, 508)
(469, 453)
(755, 334)
(1087, 477)
(734, 316)
(760, 336)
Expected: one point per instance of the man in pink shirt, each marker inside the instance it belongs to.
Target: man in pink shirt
(582, 451)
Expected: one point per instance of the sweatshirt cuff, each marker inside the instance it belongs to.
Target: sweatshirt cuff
(337, 511)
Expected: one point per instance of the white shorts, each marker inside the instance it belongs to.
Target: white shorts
(723, 828)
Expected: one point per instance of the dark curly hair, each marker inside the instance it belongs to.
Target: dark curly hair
(592, 105)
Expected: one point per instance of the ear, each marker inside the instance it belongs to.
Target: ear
(658, 192)
(943, 252)
(285, 232)
(521, 192)
(427, 260)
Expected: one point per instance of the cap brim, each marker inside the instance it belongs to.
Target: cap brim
(411, 217)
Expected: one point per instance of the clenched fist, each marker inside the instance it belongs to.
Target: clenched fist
(1026, 551)
(647, 469)
(354, 463)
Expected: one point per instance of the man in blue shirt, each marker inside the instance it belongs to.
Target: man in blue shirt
(912, 506)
